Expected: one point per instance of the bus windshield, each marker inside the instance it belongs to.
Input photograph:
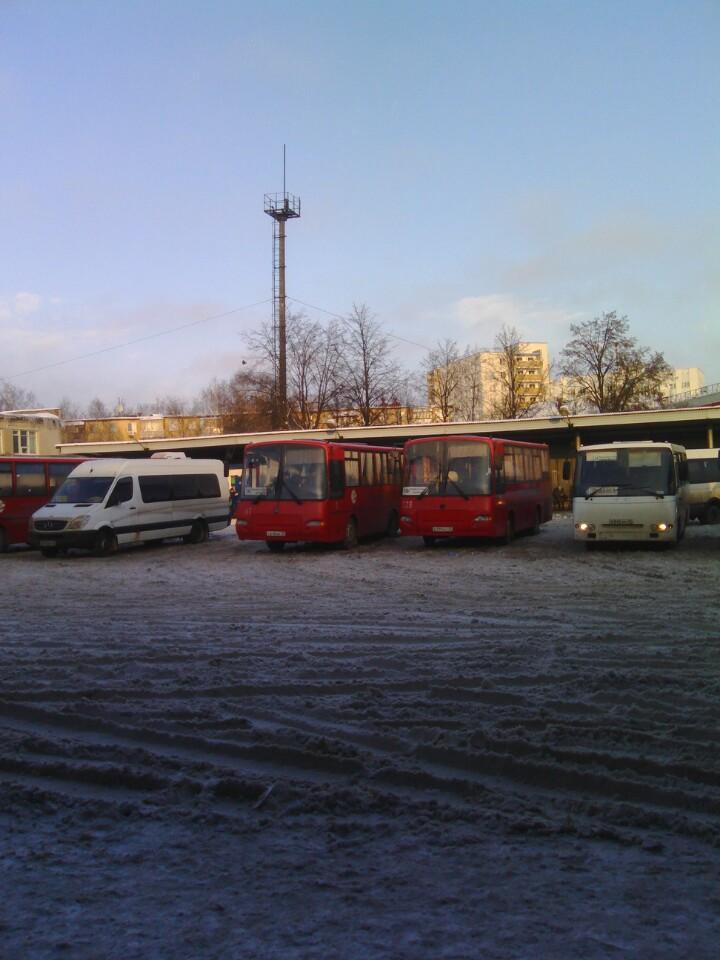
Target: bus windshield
(625, 473)
(285, 472)
(83, 490)
(448, 468)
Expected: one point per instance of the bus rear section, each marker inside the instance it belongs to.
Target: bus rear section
(474, 487)
(318, 491)
(704, 485)
(26, 484)
(630, 492)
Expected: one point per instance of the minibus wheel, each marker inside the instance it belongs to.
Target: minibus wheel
(351, 535)
(198, 533)
(3, 541)
(105, 543)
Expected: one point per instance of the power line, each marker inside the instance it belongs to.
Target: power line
(129, 343)
(338, 316)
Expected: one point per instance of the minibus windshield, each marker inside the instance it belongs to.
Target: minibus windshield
(285, 472)
(448, 468)
(83, 490)
(625, 473)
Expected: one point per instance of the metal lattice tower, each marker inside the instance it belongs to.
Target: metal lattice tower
(281, 207)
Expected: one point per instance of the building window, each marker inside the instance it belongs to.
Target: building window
(131, 429)
(24, 441)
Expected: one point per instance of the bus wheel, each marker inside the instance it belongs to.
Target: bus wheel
(429, 541)
(3, 541)
(392, 525)
(711, 515)
(275, 546)
(105, 543)
(198, 533)
(509, 534)
(351, 535)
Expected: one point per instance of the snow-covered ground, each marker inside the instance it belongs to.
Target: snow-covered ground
(463, 752)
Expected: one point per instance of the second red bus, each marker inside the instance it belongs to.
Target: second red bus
(319, 491)
(474, 487)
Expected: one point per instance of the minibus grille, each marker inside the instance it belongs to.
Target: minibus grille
(50, 524)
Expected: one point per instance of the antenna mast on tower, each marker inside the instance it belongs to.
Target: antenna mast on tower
(281, 207)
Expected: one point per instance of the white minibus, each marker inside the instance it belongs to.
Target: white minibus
(704, 485)
(630, 491)
(103, 503)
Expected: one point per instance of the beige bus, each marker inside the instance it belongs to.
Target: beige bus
(704, 487)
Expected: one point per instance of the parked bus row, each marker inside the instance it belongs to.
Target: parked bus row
(336, 493)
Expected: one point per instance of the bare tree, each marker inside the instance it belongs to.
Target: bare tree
(170, 405)
(607, 370)
(515, 398)
(470, 388)
(314, 355)
(444, 376)
(244, 401)
(69, 409)
(15, 398)
(96, 409)
(371, 377)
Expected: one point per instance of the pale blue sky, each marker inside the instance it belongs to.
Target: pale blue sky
(460, 165)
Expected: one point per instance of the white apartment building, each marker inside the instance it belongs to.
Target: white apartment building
(477, 388)
(685, 380)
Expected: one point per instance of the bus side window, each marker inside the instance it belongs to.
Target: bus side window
(337, 479)
(380, 467)
(352, 468)
(509, 465)
(30, 479)
(6, 484)
(499, 474)
(366, 469)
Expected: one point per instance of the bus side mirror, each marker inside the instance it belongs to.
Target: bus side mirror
(566, 470)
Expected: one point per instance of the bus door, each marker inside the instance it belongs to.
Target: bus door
(30, 494)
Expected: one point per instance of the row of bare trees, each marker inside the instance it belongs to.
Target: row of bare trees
(346, 369)
(602, 368)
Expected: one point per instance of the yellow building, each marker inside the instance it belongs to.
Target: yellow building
(152, 427)
(472, 387)
(29, 432)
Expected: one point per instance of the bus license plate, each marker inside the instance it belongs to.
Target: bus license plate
(276, 533)
(442, 529)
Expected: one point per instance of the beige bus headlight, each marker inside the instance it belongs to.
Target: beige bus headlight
(77, 523)
(662, 527)
(584, 527)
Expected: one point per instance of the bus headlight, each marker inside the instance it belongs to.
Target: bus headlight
(241, 523)
(584, 527)
(77, 523)
(482, 518)
(314, 523)
(662, 527)
(405, 519)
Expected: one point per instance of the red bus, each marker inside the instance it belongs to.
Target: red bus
(318, 490)
(26, 484)
(474, 487)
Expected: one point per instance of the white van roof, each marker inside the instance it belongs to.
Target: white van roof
(145, 466)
